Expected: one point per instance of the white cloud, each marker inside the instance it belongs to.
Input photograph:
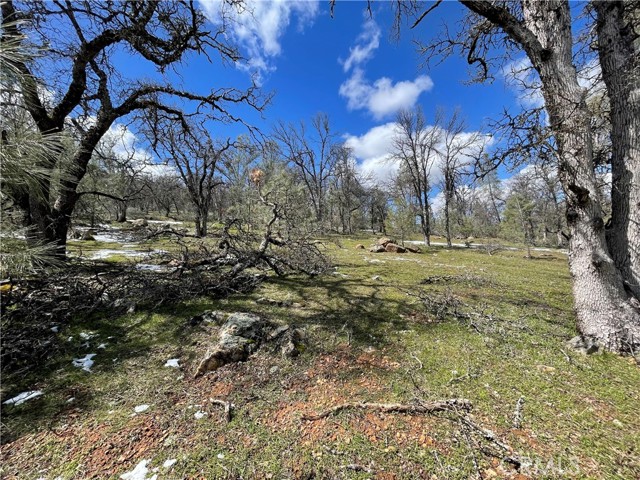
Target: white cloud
(366, 43)
(257, 26)
(383, 97)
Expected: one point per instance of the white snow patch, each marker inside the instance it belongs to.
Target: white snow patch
(71, 399)
(23, 397)
(106, 238)
(173, 362)
(141, 408)
(85, 363)
(102, 346)
(169, 463)
(199, 414)
(165, 222)
(87, 336)
(55, 329)
(139, 472)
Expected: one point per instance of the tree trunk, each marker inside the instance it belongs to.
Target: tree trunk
(424, 223)
(121, 212)
(601, 302)
(619, 50)
(447, 223)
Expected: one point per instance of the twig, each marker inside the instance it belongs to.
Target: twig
(228, 406)
(517, 414)
(417, 360)
(423, 407)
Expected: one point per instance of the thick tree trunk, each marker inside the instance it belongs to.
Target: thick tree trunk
(121, 212)
(602, 305)
(619, 50)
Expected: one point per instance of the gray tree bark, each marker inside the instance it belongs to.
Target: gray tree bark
(618, 27)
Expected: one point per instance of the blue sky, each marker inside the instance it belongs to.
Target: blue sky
(347, 66)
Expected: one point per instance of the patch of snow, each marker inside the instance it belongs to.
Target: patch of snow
(71, 399)
(55, 329)
(23, 397)
(106, 238)
(102, 346)
(173, 362)
(87, 336)
(141, 408)
(199, 414)
(70, 339)
(165, 222)
(106, 253)
(169, 463)
(139, 472)
(85, 363)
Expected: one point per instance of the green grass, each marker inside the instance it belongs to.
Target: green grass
(369, 340)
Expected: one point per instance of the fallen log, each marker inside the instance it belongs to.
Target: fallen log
(456, 404)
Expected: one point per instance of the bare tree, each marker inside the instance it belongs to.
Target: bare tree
(605, 273)
(82, 78)
(456, 150)
(196, 159)
(415, 148)
(313, 155)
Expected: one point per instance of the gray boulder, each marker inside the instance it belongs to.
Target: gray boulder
(584, 345)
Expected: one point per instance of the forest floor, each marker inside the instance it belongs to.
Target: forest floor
(386, 328)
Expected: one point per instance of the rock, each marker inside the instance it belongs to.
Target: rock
(239, 337)
(392, 247)
(377, 249)
(88, 235)
(140, 222)
(584, 345)
(360, 247)
(210, 316)
(294, 342)
(413, 249)
(384, 240)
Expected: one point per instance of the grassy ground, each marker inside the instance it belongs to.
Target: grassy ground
(371, 339)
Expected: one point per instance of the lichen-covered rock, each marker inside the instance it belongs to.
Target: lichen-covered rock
(294, 342)
(239, 337)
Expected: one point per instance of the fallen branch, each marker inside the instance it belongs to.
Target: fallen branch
(517, 414)
(455, 404)
(228, 406)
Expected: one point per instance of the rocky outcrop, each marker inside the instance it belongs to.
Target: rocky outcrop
(376, 249)
(393, 248)
(242, 334)
(384, 241)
